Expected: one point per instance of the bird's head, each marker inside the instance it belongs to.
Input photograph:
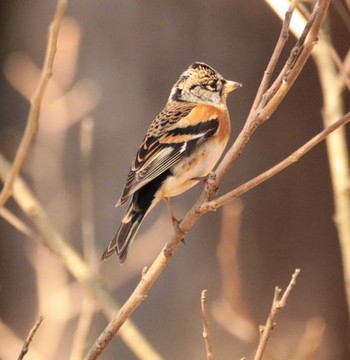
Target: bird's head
(201, 84)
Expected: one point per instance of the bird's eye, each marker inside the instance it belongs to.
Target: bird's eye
(211, 86)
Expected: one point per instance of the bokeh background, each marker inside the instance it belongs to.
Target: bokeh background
(116, 64)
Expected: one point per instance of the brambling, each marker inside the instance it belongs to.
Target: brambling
(181, 146)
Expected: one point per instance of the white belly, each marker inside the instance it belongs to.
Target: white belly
(198, 165)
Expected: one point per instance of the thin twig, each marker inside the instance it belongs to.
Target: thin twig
(296, 62)
(279, 302)
(29, 339)
(291, 159)
(34, 111)
(282, 39)
(206, 337)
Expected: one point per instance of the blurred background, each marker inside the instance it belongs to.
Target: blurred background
(115, 66)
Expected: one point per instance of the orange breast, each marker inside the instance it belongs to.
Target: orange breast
(202, 113)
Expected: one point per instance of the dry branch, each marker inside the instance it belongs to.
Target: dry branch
(206, 337)
(279, 302)
(34, 111)
(289, 73)
(282, 39)
(29, 339)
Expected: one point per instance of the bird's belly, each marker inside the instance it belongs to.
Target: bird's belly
(188, 170)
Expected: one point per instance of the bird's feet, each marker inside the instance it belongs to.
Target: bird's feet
(176, 225)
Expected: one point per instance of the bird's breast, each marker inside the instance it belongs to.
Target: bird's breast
(187, 172)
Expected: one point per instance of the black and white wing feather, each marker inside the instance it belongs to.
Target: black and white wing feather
(168, 140)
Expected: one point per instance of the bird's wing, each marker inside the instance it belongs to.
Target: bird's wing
(174, 134)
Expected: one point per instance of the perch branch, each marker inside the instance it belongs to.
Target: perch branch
(29, 339)
(279, 302)
(34, 111)
(206, 337)
(290, 72)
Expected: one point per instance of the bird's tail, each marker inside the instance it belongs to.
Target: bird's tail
(126, 232)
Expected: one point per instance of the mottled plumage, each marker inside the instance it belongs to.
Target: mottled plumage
(182, 144)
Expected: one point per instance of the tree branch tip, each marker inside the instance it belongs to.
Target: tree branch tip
(295, 275)
(29, 338)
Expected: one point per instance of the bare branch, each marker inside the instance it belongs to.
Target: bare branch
(29, 339)
(283, 37)
(279, 302)
(34, 111)
(206, 337)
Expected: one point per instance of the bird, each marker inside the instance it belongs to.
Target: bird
(182, 145)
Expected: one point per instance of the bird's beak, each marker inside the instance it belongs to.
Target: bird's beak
(230, 86)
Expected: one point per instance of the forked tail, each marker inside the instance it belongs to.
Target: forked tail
(142, 201)
(126, 233)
